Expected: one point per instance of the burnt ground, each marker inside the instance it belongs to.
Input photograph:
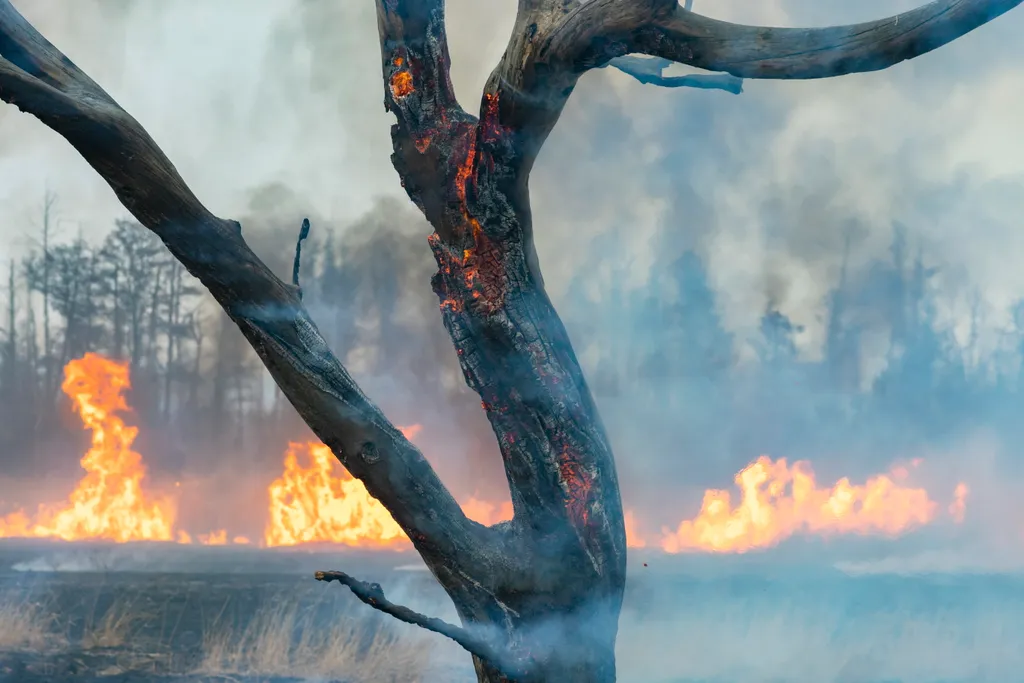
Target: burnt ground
(156, 614)
(135, 614)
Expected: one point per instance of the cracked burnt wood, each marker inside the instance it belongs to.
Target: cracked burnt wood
(539, 596)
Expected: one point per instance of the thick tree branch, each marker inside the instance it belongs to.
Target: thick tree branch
(41, 81)
(487, 649)
(601, 30)
(649, 71)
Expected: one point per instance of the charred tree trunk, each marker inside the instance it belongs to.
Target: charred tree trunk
(539, 596)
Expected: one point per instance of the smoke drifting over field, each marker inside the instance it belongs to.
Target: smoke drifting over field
(820, 271)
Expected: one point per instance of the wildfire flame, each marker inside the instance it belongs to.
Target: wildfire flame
(633, 537)
(779, 501)
(320, 502)
(110, 501)
(485, 512)
(315, 500)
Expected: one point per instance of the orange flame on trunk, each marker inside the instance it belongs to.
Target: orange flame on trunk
(401, 80)
(109, 502)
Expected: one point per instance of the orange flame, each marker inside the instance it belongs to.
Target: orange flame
(487, 513)
(779, 501)
(316, 500)
(401, 84)
(633, 537)
(109, 502)
(321, 502)
(219, 537)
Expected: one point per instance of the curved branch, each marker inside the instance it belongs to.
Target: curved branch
(649, 72)
(801, 53)
(373, 595)
(37, 78)
(604, 29)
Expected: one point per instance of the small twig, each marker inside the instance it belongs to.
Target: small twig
(373, 595)
(303, 234)
(649, 71)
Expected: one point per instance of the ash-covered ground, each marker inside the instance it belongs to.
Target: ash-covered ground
(141, 612)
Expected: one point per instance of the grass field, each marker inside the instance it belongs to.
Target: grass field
(227, 620)
(139, 614)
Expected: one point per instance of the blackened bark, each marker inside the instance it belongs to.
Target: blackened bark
(539, 597)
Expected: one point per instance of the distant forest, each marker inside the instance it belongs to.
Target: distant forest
(677, 401)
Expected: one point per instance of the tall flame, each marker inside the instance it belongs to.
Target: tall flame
(319, 501)
(316, 500)
(109, 502)
(779, 501)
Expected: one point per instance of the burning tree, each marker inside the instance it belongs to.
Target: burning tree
(539, 597)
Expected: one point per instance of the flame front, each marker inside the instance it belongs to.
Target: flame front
(109, 502)
(315, 500)
(779, 501)
(318, 501)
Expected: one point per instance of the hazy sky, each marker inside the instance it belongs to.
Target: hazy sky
(243, 94)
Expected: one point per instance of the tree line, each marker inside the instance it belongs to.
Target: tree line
(660, 351)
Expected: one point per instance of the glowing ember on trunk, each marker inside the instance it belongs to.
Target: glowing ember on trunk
(401, 84)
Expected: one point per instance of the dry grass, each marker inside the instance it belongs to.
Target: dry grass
(280, 641)
(26, 625)
(116, 626)
(286, 638)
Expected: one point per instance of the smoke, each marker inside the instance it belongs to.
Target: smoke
(813, 270)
